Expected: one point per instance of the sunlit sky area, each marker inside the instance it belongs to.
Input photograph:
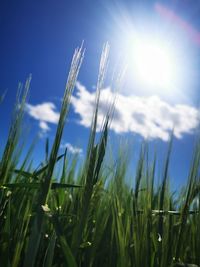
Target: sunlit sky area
(157, 42)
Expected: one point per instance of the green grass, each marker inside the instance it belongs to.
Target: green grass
(90, 216)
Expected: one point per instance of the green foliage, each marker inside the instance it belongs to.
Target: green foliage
(90, 217)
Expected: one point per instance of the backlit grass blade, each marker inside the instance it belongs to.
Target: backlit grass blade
(163, 197)
(92, 156)
(14, 131)
(37, 173)
(35, 235)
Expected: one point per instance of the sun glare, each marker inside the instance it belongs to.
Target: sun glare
(153, 63)
(159, 57)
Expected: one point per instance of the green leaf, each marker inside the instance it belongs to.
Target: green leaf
(67, 253)
(38, 185)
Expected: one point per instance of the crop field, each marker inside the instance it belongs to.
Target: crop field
(87, 215)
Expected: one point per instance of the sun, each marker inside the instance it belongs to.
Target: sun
(158, 57)
(153, 62)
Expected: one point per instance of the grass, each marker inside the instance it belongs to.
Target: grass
(94, 218)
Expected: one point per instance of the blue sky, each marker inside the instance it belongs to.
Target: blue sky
(39, 37)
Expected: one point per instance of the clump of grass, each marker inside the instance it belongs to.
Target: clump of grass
(94, 218)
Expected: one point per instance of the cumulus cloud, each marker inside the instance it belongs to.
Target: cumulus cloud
(150, 117)
(45, 113)
(72, 149)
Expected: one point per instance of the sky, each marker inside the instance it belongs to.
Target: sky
(39, 37)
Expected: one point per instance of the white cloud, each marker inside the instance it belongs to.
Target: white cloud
(149, 117)
(45, 113)
(72, 149)
(44, 126)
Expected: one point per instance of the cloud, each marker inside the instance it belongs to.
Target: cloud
(45, 113)
(44, 126)
(150, 117)
(71, 149)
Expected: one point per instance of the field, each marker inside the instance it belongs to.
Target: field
(89, 216)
